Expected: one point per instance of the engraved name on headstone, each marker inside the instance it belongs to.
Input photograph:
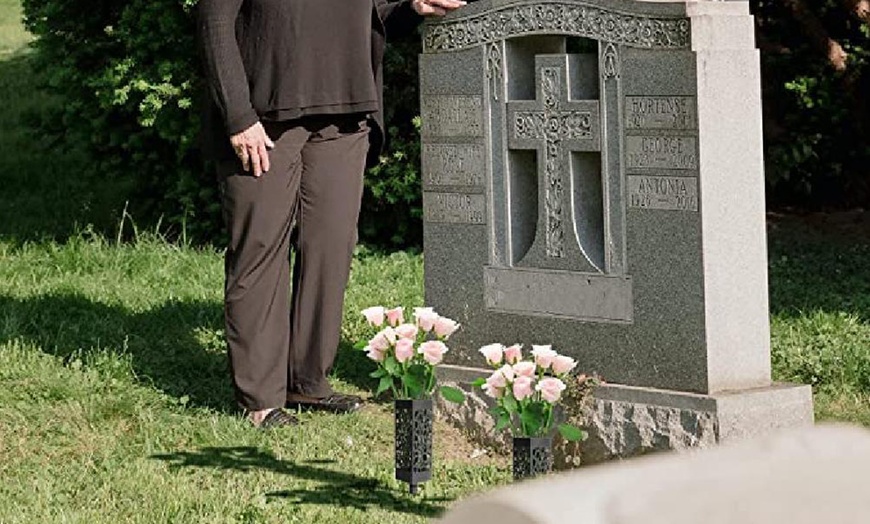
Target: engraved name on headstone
(453, 165)
(454, 208)
(452, 115)
(661, 152)
(663, 192)
(660, 112)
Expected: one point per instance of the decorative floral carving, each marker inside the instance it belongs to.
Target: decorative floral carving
(548, 17)
(610, 63)
(494, 69)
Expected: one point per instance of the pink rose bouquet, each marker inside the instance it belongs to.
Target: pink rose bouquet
(527, 391)
(407, 352)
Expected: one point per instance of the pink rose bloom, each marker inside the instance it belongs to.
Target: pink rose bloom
(522, 388)
(374, 354)
(444, 327)
(508, 372)
(384, 339)
(513, 354)
(395, 316)
(374, 315)
(425, 317)
(544, 355)
(497, 379)
(492, 390)
(493, 353)
(407, 331)
(404, 350)
(433, 351)
(563, 364)
(525, 369)
(551, 389)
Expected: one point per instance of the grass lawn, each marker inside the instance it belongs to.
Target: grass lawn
(115, 403)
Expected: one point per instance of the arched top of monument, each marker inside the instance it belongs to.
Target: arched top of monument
(634, 23)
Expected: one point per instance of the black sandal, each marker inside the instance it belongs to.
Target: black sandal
(335, 403)
(278, 418)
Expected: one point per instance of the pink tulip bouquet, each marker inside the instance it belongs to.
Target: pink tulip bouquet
(407, 352)
(527, 391)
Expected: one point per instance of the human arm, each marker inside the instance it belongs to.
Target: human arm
(228, 82)
(402, 17)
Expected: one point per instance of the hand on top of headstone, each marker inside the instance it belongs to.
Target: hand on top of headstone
(435, 7)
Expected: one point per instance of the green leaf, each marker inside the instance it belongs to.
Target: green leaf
(412, 382)
(385, 384)
(533, 420)
(477, 384)
(362, 344)
(572, 433)
(378, 373)
(502, 422)
(391, 365)
(510, 403)
(452, 394)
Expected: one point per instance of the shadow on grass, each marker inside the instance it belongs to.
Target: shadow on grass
(335, 488)
(810, 271)
(177, 347)
(168, 346)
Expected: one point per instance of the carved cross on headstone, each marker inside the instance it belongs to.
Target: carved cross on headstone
(555, 125)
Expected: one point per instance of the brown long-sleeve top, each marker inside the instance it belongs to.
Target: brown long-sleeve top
(283, 59)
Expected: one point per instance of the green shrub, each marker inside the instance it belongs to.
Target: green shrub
(129, 71)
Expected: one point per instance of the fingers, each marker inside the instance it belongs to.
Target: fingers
(436, 7)
(264, 158)
(242, 153)
(251, 146)
(446, 4)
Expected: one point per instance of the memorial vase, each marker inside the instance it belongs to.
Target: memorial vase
(533, 456)
(413, 441)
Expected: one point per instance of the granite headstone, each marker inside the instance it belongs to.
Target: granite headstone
(593, 179)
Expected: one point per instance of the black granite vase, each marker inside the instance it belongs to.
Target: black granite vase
(413, 442)
(532, 457)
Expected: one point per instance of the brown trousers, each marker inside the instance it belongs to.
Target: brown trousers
(311, 198)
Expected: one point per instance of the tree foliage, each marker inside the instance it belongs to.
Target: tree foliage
(129, 75)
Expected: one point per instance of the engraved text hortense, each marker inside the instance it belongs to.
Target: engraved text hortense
(660, 112)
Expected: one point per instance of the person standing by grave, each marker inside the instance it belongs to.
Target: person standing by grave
(297, 113)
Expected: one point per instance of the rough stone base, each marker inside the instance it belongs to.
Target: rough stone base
(625, 421)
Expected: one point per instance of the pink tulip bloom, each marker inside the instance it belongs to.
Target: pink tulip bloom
(407, 331)
(513, 354)
(525, 369)
(444, 327)
(563, 364)
(433, 351)
(551, 389)
(374, 354)
(497, 379)
(522, 388)
(374, 315)
(425, 317)
(395, 316)
(493, 353)
(404, 350)
(544, 355)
